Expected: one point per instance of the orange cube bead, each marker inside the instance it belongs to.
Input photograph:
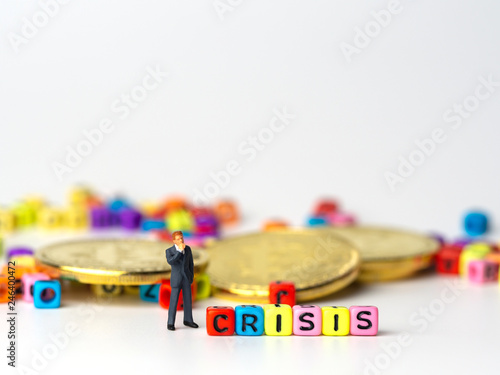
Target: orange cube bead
(227, 213)
(273, 225)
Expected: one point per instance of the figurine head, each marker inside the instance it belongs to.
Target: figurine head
(177, 237)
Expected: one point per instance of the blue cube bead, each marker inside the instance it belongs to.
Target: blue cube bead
(118, 204)
(249, 320)
(317, 221)
(43, 287)
(152, 224)
(476, 223)
(150, 293)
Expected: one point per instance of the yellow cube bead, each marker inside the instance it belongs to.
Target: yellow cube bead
(278, 320)
(203, 287)
(79, 195)
(149, 208)
(468, 254)
(336, 320)
(131, 289)
(106, 290)
(24, 261)
(479, 248)
(24, 215)
(36, 203)
(180, 220)
(76, 218)
(50, 218)
(7, 221)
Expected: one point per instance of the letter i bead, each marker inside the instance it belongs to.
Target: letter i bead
(336, 321)
(278, 320)
(220, 320)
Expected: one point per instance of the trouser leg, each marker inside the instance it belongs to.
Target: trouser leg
(187, 299)
(172, 308)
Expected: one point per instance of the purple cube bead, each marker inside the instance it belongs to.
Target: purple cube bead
(19, 251)
(130, 218)
(101, 217)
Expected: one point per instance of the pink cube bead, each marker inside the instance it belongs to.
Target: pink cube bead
(482, 271)
(306, 320)
(364, 320)
(28, 281)
(340, 219)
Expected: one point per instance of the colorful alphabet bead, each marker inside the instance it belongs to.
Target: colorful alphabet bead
(364, 320)
(165, 292)
(28, 281)
(19, 251)
(50, 218)
(106, 290)
(220, 320)
(448, 259)
(47, 294)
(306, 320)
(180, 220)
(316, 221)
(336, 321)
(101, 217)
(227, 212)
(4, 291)
(129, 218)
(282, 292)
(150, 293)
(476, 223)
(249, 320)
(24, 215)
(471, 252)
(75, 218)
(324, 207)
(274, 225)
(482, 271)
(203, 288)
(278, 320)
(7, 221)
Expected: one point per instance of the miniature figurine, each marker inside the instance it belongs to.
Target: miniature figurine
(180, 259)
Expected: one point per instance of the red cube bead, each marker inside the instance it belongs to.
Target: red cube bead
(166, 290)
(324, 207)
(220, 320)
(282, 292)
(448, 259)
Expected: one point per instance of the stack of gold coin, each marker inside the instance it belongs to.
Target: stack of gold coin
(111, 261)
(318, 263)
(388, 254)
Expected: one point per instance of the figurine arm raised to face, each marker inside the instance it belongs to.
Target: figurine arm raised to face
(173, 257)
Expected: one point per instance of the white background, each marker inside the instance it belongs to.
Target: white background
(227, 74)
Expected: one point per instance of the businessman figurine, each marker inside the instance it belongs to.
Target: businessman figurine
(180, 259)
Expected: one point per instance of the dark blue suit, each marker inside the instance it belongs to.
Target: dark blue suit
(181, 278)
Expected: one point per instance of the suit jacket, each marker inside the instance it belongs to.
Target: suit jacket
(181, 264)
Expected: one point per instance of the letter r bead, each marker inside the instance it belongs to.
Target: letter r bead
(364, 320)
(220, 320)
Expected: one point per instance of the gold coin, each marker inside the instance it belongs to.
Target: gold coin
(318, 263)
(112, 261)
(388, 254)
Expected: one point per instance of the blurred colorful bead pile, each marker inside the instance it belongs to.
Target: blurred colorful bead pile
(85, 210)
